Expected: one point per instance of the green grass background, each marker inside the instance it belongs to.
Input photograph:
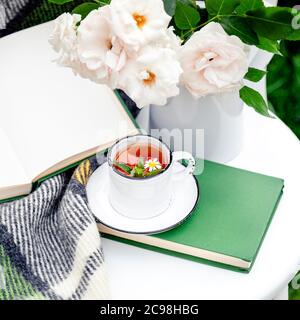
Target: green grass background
(283, 77)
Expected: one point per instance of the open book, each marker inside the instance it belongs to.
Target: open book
(49, 119)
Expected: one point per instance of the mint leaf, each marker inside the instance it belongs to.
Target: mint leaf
(137, 172)
(186, 17)
(220, 7)
(153, 173)
(254, 74)
(123, 167)
(141, 163)
(247, 5)
(254, 99)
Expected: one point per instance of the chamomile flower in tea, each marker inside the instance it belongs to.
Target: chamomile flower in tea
(152, 165)
(140, 160)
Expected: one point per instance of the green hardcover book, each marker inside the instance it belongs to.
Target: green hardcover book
(228, 224)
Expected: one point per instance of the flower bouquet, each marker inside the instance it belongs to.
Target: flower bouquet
(149, 48)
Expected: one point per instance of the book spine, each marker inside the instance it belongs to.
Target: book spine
(173, 253)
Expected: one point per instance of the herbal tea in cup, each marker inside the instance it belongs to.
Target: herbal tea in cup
(141, 160)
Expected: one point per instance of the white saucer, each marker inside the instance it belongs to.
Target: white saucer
(185, 196)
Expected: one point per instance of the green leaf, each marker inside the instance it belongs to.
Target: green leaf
(137, 172)
(189, 2)
(284, 49)
(294, 35)
(85, 8)
(141, 163)
(254, 99)
(123, 167)
(103, 2)
(220, 7)
(254, 75)
(170, 6)
(153, 173)
(239, 27)
(268, 45)
(186, 17)
(60, 1)
(247, 5)
(273, 23)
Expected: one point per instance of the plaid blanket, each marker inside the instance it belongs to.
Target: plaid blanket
(50, 247)
(49, 244)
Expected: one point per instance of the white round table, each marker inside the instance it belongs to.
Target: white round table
(269, 148)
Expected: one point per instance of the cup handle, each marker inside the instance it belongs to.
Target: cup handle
(183, 155)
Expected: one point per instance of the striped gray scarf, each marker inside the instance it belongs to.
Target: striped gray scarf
(49, 244)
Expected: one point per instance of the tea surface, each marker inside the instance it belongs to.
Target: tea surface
(140, 160)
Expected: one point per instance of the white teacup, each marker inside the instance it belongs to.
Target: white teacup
(147, 197)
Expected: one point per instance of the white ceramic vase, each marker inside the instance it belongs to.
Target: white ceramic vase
(216, 121)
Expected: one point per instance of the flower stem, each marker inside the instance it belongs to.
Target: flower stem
(217, 17)
(101, 3)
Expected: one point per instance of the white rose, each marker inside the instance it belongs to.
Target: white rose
(98, 47)
(169, 40)
(139, 22)
(213, 61)
(64, 39)
(152, 77)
